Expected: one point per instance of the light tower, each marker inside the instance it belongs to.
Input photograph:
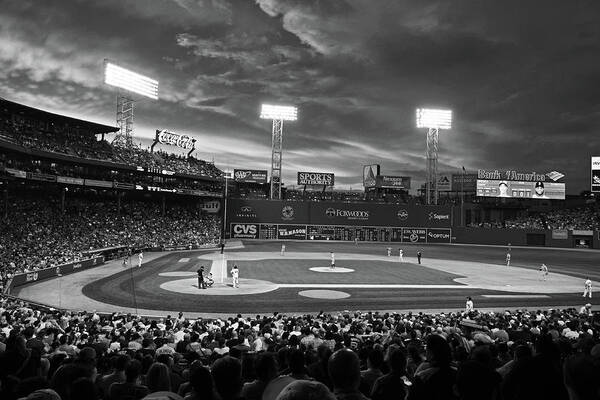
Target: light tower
(278, 114)
(131, 82)
(434, 120)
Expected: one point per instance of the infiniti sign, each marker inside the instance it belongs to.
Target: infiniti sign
(402, 215)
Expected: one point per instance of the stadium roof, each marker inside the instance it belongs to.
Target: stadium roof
(36, 113)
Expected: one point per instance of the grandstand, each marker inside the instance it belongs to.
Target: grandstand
(79, 316)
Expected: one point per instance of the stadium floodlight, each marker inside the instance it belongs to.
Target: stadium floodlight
(129, 80)
(278, 114)
(284, 113)
(434, 118)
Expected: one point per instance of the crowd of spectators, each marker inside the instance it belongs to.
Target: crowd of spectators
(543, 354)
(584, 218)
(36, 234)
(74, 143)
(578, 218)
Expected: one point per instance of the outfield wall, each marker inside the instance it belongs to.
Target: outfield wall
(374, 222)
(338, 213)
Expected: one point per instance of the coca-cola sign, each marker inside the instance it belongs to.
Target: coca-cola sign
(174, 139)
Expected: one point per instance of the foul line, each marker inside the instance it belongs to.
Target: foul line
(515, 296)
(369, 286)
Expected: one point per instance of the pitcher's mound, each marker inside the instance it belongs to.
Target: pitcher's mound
(337, 270)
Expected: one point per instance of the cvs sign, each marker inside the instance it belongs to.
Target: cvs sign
(244, 231)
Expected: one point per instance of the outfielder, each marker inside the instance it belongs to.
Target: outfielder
(508, 259)
(400, 255)
(544, 271)
(283, 249)
(587, 288)
(235, 274)
(332, 260)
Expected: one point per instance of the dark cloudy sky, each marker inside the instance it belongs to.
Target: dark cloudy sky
(522, 77)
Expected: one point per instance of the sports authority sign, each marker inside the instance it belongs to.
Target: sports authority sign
(595, 175)
(174, 139)
(316, 178)
(250, 175)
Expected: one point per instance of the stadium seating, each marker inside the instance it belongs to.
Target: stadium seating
(36, 234)
(537, 354)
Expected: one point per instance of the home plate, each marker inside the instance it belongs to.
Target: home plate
(515, 296)
(336, 270)
(324, 294)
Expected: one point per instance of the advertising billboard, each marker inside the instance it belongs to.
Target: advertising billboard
(337, 213)
(244, 231)
(370, 173)
(250, 175)
(414, 235)
(438, 236)
(163, 136)
(295, 232)
(464, 182)
(444, 183)
(595, 175)
(520, 189)
(316, 178)
(393, 182)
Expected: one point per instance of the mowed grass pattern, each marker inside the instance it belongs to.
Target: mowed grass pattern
(295, 271)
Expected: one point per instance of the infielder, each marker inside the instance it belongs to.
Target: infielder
(140, 258)
(544, 271)
(469, 305)
(332, 260)
(587, 288)
(235, 274)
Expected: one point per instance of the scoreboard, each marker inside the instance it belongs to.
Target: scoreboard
(339, 233)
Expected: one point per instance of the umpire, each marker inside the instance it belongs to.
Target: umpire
(201, 283)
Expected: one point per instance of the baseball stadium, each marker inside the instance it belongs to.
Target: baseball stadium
(225, 259)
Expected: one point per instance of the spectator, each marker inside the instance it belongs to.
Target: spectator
(344, 371)
(395, 384)
(227, 376)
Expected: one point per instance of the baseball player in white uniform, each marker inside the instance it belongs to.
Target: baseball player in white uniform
(469, 305)
(508, 259)
(235, 274)
(332, 260)
(587, 288)
(140, 258)
(544, 271)
(401, 255)
(283, 249)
